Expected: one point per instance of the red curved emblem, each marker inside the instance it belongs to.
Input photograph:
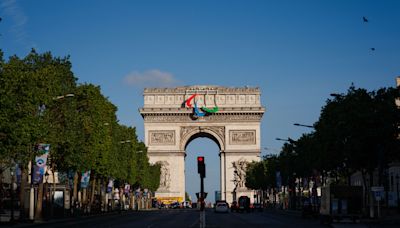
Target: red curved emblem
(189, 100)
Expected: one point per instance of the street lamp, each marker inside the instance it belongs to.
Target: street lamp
(280, 139)
(286, 140)
(12, 172)
(64, 96)
(47, 192)
(336, 95)
(397, 188)
(303, 125)
(294, 194)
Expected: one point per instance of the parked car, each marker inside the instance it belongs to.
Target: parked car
(175, 205)
(186, 204)
(162, 205)
(234, 206)
(221, 207)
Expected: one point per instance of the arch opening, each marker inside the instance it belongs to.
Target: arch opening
(202, 135)
(202, 145)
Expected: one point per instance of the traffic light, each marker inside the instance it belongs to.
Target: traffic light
(201, 166)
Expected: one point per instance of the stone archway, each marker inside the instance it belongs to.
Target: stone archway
(170, 126)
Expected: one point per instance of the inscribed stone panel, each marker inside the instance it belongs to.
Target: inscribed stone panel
(242, 137)
(162, 137)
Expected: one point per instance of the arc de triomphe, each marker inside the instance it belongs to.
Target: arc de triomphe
(231, 117)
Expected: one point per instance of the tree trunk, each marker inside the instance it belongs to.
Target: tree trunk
(75, 195)
(24, 177)
(52, 192)
(84, 199)
(371, 200)
(1, 191)
(93, 191)
(38, 213)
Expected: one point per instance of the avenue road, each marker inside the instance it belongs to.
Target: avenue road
(189, 218)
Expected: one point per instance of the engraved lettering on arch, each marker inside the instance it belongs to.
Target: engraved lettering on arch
(242, 137)
(162, 137)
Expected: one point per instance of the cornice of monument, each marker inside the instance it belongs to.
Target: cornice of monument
(180, 111)
(202, 89)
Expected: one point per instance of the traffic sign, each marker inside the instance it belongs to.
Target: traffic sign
(377, 189)
(378, 192)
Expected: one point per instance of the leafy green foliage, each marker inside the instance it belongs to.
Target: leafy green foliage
(82, 127)
(355, 131)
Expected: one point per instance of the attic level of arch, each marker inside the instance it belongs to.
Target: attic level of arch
(168, 117)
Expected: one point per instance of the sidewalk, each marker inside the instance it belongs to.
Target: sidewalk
(5, 217)
(387, 220)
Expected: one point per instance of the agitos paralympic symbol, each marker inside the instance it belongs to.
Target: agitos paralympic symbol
(196, 110)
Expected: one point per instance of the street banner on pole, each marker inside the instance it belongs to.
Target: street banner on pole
(110, 185)
(41, 160)
(40, 163)
(127, 188)
(278, 180)
(85, 179)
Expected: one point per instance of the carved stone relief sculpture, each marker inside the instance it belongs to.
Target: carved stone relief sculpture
(165, 176)
(239, 178)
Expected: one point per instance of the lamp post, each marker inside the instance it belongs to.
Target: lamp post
(294, 199)
(336, 95)
(32, 191)
(12, 172)
(397, 188)
(286, 140)
(47, 192)
(303, 125)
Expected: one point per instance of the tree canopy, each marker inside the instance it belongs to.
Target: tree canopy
(356, 131)
(41, 102)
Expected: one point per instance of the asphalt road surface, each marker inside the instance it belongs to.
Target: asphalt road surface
(190, 218)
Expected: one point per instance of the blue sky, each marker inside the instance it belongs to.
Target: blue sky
(297, 52)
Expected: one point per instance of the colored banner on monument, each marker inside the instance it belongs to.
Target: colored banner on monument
(85, 179)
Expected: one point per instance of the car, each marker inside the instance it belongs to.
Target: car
(186, 204)
(175, 205)
(234, 206)
(221, 207)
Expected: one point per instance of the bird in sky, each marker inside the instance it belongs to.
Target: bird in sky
(372, 49)
(365, 19)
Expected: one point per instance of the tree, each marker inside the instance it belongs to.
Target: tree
(82, 128)
(359, 131)
(28, 85)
